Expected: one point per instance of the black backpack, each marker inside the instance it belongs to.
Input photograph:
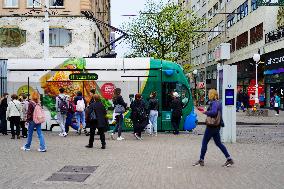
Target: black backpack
(63, 106)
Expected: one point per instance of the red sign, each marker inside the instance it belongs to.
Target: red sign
(200, 85)
(107, 90)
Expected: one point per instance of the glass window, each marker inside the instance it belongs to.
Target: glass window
(58, 37)
(11, 3)
(56, 3)
(32, 3)
(210, 13)
(253, 5)
(215, 8)
(12, 37)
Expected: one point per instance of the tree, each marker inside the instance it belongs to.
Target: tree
(163, 31)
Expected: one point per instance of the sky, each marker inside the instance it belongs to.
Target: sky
(124, 7)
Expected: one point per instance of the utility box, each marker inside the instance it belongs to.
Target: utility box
(227, 90)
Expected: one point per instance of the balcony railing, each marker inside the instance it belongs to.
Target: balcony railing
(274, 35)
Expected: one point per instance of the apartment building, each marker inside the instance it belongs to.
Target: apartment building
(71, 33)
(249, 29)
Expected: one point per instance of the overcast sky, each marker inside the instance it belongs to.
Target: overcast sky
(124, 7)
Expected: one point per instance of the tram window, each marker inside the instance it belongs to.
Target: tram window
(168, 88)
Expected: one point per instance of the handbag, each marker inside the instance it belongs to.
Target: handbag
(214, 121)
(119, 109)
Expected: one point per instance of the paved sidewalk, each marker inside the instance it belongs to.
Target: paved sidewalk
(242, 119)
(156, 162)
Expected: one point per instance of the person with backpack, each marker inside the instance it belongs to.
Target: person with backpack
(35, 116)
(138, 116)
(213, 125)
(70, 116)
(25, 104)
(3, 109)
(176, 105)
(80, 115)
(14, 115)
(119, 109)
(153, 114)
(97, 120)
(62, 109)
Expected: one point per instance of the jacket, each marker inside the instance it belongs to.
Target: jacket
(153, 104)
(3, 108)
(30, 112)
(14, 109)
(101, 121)
(138, 111)
(277, 100)
(176, 106)
(212, 111)
(119, 100)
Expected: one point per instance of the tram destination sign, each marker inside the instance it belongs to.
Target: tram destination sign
(270, 2)
(83, 76)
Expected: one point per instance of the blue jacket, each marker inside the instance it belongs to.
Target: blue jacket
(213, 108)
(277, 100)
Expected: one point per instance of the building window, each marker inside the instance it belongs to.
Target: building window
(198, 5)
(253, 5)
(222, 4)
(221, 27)
(242, 10)
(210, 35)
(242, 41)
(210, 13)
(193, 8)
(11, 3)
(56, 3)
(203, 2)
(12, 37)
(256, 33)
(58, 37)
(203, 59)
(230, 19)
(31, 3)
(215, 9)
(216, 31)
(233, 44)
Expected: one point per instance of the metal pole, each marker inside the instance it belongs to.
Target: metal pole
(256, 84)
(46, 30)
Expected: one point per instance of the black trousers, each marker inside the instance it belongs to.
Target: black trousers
(276, 109)
(24, 129)
(101, 132)
(3, 126)
(175, 123)
(15, 121)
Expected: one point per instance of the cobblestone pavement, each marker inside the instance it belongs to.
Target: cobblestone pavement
(156, 162)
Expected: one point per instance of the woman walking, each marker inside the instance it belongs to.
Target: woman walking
(35, 100)
(118, 103)
(97, 120)
(14, 114)
(215, 108)
(138, 116)
(153, 115)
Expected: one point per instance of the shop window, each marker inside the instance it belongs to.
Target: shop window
(32, 3)
(256, 33)
(56, 3)
(11, 3)
(242, 41)
(12, 37)
(58, 37)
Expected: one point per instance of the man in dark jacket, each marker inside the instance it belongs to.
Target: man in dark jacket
(3, 109)
(176, 106)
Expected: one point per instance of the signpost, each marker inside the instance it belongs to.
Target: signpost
(270, 2)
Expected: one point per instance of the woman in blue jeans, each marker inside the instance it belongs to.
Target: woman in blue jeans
(213, 131)
(34, 100)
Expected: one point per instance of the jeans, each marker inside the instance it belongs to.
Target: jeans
(32, 125)
(61, 120)
(153, 119)
(68, 122)
(239, 105)
(15, 121)
(215, 133)
(118, 126)
(175, 123)
(80, 118)
(3, 126)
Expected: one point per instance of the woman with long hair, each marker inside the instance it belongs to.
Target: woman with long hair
(35, 100)
(118, 100)
(213, 131)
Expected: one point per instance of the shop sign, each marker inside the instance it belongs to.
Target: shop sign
(107, 90)
(274, 62)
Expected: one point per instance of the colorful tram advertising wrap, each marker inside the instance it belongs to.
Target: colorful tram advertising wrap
(132, 75)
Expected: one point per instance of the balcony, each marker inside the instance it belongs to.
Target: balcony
(274, 35)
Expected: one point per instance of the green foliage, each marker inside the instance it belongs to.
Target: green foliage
(49, 103)
(163, 32)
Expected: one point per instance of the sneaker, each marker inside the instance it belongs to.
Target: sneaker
(25, 149)
(276, 114)
(122, 138)
(228, 163)
(199, 162)
(64, 134)
(41, 150)
(136, 136)
(156, 134)
(60, 134)
(112, 136)
(119, 138)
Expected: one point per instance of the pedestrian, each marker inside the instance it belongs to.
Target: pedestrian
(25, 104)
(176, 106)
(80, 115)
(35, 101)
(153, 114)
(214, 110)
(3, 109)
(70, 116)
(62, 109)
(14, 114)
(240, 101)
(97, 120)
(138, 116)
(119, 109)
(246, 100)
(277, 103)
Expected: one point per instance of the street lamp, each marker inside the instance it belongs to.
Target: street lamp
(256, 58)
(195, 76)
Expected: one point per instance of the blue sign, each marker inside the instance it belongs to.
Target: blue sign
(229, 97)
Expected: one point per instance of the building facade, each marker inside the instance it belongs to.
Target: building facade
(71, 33)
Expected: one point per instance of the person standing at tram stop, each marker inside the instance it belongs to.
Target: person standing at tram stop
(80, 114)
(176, 106)
(25, 104)
(153, 114)
(61, 108)
(277, 103)
(3, 109)
(14, 115)
(118, 103)
(97, 120)
(35, 99)
(215, 108)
